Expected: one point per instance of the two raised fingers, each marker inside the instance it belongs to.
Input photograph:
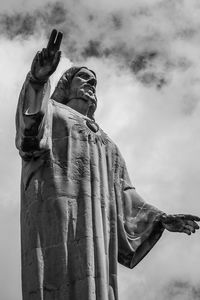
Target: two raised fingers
(54, 42)
(51, 52)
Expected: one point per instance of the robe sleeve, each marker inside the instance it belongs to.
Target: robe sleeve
(31, 118)
(139, 225)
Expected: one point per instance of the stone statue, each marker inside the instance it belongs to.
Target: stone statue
(80, 214)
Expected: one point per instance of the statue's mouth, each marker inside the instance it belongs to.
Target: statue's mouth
(90, 87)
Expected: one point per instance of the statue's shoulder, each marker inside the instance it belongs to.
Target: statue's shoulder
(61, 110)
(58, 105)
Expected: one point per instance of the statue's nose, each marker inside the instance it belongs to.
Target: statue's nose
(92, 81)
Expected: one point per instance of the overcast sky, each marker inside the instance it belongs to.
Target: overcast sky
(146, 55)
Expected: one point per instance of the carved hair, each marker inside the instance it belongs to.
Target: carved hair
(62, 90)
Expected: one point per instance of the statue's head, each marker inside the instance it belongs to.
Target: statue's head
(77, 83)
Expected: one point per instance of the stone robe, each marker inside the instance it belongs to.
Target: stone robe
(80, 215)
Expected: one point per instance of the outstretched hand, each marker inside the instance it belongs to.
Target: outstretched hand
(180, 223)
(46, 61)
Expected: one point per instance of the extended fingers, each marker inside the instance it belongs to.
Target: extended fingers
(191, 217)
(58, 40)
(190, 228)
(187, 231)
(193, 223)
(54, 41)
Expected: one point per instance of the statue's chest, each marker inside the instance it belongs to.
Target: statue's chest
(66, 123)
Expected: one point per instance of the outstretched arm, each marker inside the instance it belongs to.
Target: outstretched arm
(140, 225)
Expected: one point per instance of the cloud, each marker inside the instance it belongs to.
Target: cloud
(24, 24)
(152, 39)
(146, 56)
(181, 290)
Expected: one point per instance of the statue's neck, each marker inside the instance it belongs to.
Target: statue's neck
(80, 105)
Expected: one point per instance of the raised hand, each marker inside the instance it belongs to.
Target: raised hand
(46, 61)
(180, 223)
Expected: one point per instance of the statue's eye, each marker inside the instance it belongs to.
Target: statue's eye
(84, 75)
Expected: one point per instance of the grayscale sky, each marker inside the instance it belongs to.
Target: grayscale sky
(147, 58)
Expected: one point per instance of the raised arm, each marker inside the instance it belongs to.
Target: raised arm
(33, 100)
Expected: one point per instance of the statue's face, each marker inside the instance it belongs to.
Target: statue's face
(83, 86)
